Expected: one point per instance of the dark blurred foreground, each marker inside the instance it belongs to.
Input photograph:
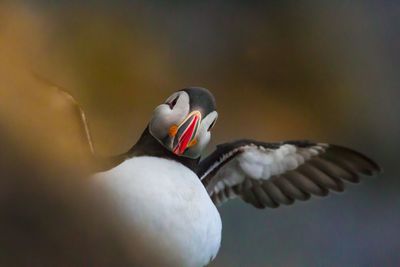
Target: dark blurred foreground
(49, 219)
(49, 216)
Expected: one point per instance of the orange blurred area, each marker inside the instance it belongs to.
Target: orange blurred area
(321, 71)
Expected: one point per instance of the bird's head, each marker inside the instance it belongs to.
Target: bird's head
(183, 123)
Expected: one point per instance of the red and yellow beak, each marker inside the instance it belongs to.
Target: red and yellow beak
(185, 134)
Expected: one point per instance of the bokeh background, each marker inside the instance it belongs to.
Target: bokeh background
(319, 70)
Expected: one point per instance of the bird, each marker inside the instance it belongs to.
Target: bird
(165, 194)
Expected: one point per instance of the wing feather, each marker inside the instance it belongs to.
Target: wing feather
(289, 189)
(272, 174)
(98, 163)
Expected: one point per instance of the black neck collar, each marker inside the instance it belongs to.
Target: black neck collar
(147, 145)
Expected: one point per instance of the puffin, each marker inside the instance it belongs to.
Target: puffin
(165, 194)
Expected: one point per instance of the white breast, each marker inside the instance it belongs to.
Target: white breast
(165, 209)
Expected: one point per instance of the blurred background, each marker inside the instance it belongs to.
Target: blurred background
(319, 70)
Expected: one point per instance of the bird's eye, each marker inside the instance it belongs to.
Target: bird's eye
(211, 125)
(172, 103)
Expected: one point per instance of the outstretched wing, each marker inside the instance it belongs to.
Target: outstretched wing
(73, 108)
(270, 174)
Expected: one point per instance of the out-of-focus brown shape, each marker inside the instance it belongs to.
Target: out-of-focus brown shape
(49, 217)
(50, 214)
(40, 117)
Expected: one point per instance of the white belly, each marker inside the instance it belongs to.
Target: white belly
(164, 210)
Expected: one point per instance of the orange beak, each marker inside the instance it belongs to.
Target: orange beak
(186, 133)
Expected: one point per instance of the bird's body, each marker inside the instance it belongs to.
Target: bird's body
(166, 208)
(164, 193)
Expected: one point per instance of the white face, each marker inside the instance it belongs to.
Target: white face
(181, 130)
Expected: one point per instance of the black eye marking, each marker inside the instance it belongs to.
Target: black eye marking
(173, 102)
(211, 125)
